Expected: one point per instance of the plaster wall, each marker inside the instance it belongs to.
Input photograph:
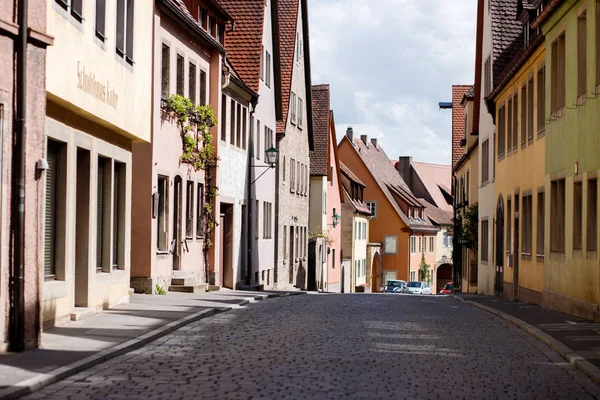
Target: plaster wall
(522, 173)
(572, 278)
(487, 195)
(334, 206)
(386, 222)
(292, 207)
(263, 250)
(79, 60)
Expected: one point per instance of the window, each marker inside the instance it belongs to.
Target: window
(581, 55)
(530, 110)
(557, 98)
(223, 120)
(262, 63)
(102, 216)
(300, 112)
(557, 216)
(413, 245)
(541, 215)
(292, 174)
(372, 208)
(199, 210)
(420, 248)
(284, 169)
(485, 244)
(592, 215)
(293, 107)
(390, 244)
(501, 130)
(238, 126)
(192, 83)
(268, 69)
(485, 161)
(527, 226)
(267, 218)
(541, 99)
(258, 132)
(508, 243)
(202, 88)
(118, 217)
(298, 178)
(597, 43)
(203, 17)
(189, 210)
(54, 205)
(125, 11)
(212, 26)
(162, 220)
(515, 122)
(232, 122)
(180, 74)
(100, 19)
(244, 133)
(165, 70)
(256, 218)
(431, 240)
(487, 77)
(524, 116)
(509, 125)
(268, 141)
(577, 215)
(76, 8)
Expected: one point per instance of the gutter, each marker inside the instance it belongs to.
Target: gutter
(193, 27)
(17, 325)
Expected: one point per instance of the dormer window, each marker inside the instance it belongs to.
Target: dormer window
(203, 18)
(526, 34)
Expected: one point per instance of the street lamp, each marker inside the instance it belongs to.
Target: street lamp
(336, 219)
(271, 157)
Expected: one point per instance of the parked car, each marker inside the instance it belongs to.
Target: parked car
(393, 286)
(418, 287)
(447, 289)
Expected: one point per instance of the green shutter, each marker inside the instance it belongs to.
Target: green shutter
(50, 212)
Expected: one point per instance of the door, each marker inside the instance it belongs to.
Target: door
(516, 253)
(222, 247)
(177, 215)
(82, 231)
(227, 245)
(292, 254)
(498, 287)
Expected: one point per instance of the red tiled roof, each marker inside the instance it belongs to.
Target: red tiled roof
(350, 175)
(321, 104)
(244, 43)
(436, 215)
(389, 181)
(359, 206)
(458, 120)
(288, 21)
(506, 29)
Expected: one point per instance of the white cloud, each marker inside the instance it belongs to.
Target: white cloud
(389, 63)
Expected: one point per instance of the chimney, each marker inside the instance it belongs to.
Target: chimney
(403, 168)
(364, 139)
(374, 141)
(350, 133)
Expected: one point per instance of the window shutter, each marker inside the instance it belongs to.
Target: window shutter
(100, 214)
(130, 14)
(121, 27)
(101, 18)
(50, 212)
(115, 235)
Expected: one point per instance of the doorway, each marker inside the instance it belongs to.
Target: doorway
(82, 225)
(516, 251)
(227, 245)
(292, 255)
(498, 287)
(177, 216)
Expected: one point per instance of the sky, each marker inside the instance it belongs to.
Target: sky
(389, 64)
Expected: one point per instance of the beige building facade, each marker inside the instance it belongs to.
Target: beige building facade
(94, 115)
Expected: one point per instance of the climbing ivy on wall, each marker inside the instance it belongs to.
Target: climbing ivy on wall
(194, 123)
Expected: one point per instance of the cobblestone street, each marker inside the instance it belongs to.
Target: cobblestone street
(337, 346)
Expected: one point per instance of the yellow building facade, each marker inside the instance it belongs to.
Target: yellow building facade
(519, 181)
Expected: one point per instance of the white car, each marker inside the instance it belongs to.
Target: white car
(418, 287)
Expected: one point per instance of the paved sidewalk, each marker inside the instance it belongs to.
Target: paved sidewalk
(576, 339)
(77, 345)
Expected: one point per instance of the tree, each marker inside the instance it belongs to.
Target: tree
(424, 270)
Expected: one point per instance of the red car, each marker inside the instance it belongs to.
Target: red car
(447, 289)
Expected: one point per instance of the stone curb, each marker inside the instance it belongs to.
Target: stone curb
(41, 380)
(564, 351)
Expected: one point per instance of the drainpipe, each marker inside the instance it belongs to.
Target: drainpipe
(249, 197)
(18, 190)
